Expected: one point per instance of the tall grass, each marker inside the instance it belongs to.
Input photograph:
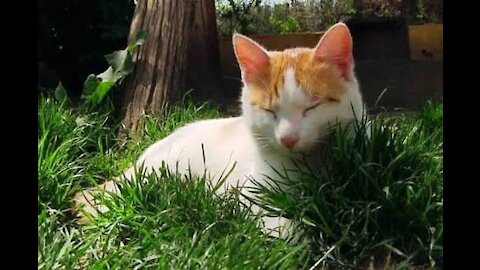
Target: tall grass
(379, 197)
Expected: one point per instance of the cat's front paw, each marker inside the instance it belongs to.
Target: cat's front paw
(86, 204)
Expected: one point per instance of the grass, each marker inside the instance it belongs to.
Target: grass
(380, 196)
(378, 199)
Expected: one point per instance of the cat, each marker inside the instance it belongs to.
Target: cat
(289, 100)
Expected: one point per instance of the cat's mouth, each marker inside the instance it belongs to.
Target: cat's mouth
(298, 148)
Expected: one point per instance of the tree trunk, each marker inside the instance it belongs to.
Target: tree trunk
(204, 69)
(160, 63)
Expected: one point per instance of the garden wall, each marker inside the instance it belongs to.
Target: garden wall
(408, 61)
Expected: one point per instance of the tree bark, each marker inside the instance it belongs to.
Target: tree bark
(204, 69)
(161, 62)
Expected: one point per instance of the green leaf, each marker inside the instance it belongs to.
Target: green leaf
(96, 87)
(120, 61)
(61, 94)
(110, 76)
(102, 90)
(90, 85)
(139, 40)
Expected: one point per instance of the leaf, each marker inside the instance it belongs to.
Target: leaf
(308, 222)
(109, 75)
(120, 61)
(61, 94)
(139, 40)
(96, 87)
(101, 91)
(90, 85)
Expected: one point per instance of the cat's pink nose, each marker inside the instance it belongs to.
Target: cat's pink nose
(289, 142)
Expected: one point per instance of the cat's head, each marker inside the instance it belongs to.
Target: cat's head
(290, 98)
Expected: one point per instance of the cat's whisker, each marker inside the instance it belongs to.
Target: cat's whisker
(261, 137)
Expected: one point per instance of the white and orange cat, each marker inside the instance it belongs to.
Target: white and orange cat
(289, 100)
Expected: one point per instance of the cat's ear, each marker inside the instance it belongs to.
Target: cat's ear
(252, 58)
(336, 47)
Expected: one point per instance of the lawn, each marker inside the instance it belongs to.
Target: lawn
(378, 199)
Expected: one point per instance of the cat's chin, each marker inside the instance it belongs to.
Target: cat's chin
(300, 149)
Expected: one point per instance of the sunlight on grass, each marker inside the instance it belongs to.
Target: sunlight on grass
(379, 198)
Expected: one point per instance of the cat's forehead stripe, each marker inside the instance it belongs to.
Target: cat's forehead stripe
(290, 84)
(316, 79)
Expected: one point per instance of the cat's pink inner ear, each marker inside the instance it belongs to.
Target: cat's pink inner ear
(335, 47)
(252, 58)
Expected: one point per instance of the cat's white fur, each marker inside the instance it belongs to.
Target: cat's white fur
(251, 140)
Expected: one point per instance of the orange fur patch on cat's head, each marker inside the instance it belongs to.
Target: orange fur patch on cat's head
(319, 71)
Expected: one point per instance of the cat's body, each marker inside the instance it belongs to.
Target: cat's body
(216, 145)
(289, 100)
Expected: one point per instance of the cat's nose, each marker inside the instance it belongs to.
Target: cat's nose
(289, 142)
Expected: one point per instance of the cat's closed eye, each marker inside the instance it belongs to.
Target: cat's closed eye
(272, 112)
(327, 100)
(310, 108)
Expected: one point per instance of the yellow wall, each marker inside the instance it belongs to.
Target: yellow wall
(429, 38)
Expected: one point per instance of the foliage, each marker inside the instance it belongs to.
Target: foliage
(289, 17)
(74, 35)
(428, 11)
(236, 12)
(291, 25)
(255, 17)
(381, 8)
(96, 87)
